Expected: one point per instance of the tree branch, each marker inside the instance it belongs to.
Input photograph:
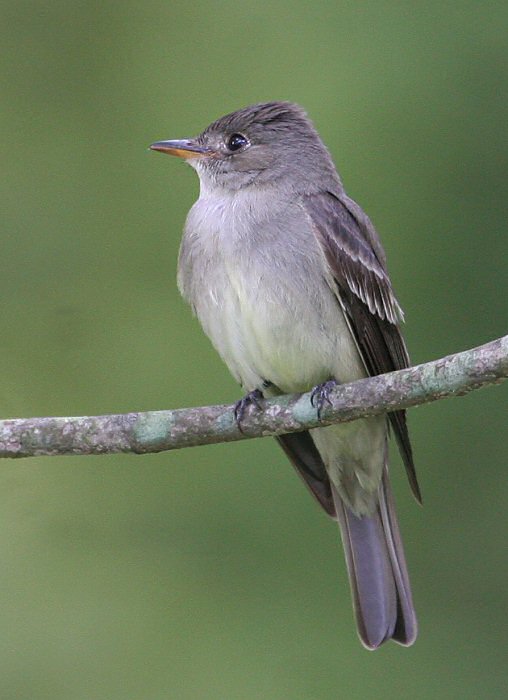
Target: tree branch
(155, 431)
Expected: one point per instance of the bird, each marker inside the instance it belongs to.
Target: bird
(288, 278)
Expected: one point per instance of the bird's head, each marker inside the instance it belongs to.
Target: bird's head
(264, 144)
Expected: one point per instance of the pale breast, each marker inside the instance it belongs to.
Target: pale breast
(255, 276)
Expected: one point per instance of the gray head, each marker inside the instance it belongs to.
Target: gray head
(273, 143)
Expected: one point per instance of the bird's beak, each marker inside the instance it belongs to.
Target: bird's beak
(183, 148)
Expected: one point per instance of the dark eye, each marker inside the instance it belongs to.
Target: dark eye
(237, 141)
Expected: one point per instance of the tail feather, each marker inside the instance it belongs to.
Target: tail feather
(377, 572)
(406, 628)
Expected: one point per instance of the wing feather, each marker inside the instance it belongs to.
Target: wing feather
(357, 263)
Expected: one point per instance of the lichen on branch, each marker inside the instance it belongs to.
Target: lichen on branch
(156, 431)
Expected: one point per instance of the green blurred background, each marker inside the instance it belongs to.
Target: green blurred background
(210, 573)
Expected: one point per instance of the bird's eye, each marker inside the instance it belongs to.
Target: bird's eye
(237, 141)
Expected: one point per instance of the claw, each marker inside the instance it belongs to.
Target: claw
(321, 395)
(252, 398)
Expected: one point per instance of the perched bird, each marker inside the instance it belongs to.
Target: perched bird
(288, 278)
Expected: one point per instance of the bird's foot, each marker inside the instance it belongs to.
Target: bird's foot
(252, 398)
(321, 395)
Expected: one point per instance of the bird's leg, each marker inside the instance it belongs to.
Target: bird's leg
(252, 398)
(321, 395)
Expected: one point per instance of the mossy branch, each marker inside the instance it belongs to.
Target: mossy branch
(155, 431)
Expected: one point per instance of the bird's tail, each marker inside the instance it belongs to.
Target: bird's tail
(377, 572)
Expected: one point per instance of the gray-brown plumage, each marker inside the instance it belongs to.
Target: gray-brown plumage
(288, 279)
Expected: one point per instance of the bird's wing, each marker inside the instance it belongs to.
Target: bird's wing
(357, 264)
